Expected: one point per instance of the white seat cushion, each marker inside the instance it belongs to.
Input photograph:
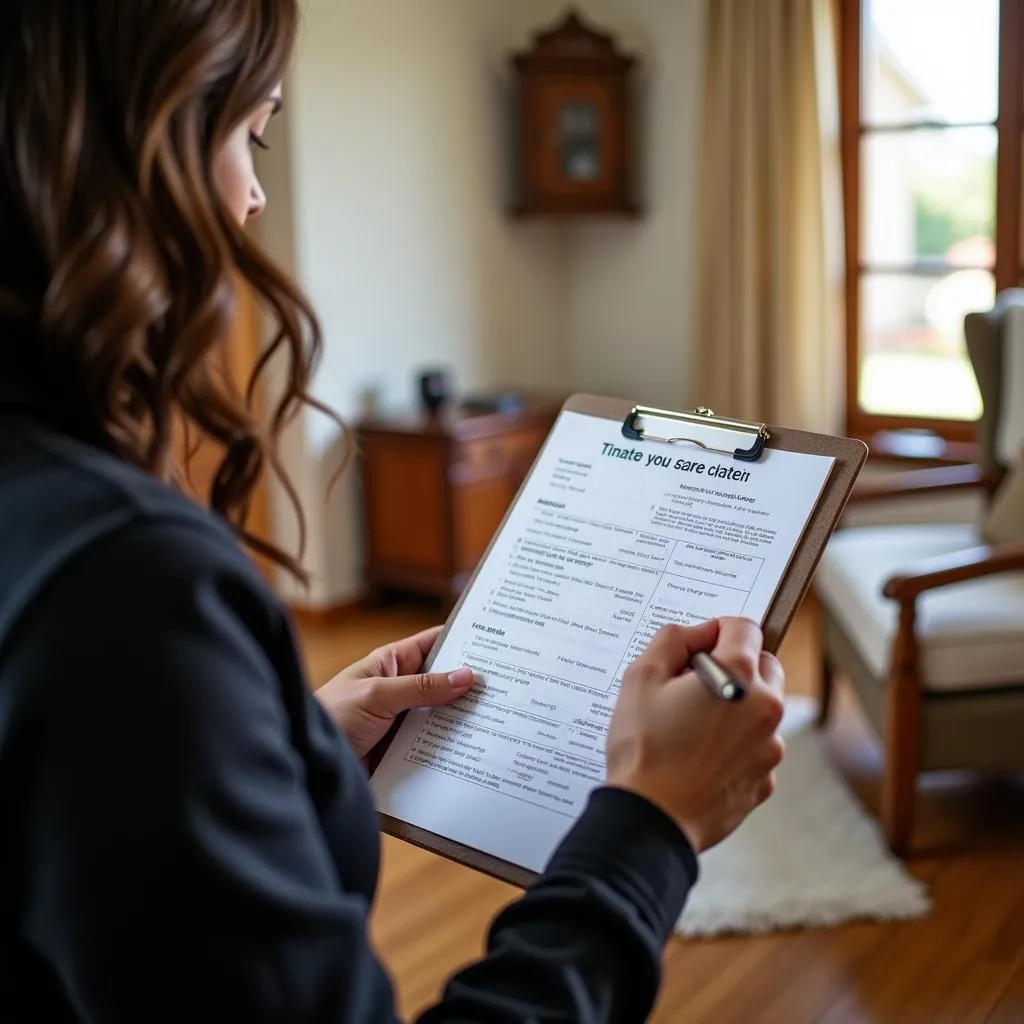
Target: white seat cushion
(971, 634)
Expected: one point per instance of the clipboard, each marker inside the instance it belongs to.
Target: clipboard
(744, 441)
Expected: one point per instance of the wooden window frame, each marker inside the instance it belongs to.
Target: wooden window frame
(1009, 262)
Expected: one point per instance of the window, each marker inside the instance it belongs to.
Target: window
(932, 127)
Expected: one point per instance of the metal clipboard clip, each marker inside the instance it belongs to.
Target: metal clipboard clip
(756, 435)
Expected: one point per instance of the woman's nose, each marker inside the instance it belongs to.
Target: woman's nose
(257, 200)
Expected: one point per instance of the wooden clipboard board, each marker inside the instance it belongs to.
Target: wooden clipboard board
(849, 455)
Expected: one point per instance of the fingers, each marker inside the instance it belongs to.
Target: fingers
(762, 777)
(671, 648)
(765, 789)
(410, 653)
(772, 674)
(392, 696)
(768, 758)
(738, 649)
(426, 639)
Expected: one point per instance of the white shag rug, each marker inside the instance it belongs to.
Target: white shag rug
(810, 856)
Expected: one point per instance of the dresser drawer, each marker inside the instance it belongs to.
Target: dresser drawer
(434, 490)
(406, 502)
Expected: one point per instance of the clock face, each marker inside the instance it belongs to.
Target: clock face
(579, 140)
(575, 143)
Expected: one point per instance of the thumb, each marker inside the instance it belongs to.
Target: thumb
(424, 689)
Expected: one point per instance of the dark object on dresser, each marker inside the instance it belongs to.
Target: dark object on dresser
(435, 390)
(435, 490)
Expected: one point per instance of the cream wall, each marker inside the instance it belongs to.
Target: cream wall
(386, 178)
(631, 283)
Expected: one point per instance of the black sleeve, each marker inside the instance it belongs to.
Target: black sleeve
(585, 943)
(178, 869)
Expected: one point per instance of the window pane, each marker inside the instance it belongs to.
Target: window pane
(913, 361)
(930, 60)
(929, 195)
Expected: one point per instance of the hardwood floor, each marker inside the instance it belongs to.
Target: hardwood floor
(962, 965)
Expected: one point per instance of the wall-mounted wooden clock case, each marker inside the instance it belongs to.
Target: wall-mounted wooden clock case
(574, 130)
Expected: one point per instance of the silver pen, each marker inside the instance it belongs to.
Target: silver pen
(716, 678)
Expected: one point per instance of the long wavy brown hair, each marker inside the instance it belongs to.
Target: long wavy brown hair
(116, 252)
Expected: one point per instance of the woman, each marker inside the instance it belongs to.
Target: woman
(188, 833)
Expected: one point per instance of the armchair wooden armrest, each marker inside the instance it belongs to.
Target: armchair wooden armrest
(904, 692)
(941, 571)
(921, 481)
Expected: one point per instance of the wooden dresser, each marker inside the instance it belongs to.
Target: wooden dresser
(435, 489)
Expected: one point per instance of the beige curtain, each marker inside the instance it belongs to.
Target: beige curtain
(769, 249)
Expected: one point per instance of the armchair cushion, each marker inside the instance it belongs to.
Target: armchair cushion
(1010, 431)
(971, 634)
(1004, 521)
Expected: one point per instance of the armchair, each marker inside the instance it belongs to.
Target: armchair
(926, 621)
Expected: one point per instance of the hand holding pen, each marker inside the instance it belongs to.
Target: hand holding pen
(707, 763)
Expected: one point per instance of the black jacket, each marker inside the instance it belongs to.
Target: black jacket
(187, 837)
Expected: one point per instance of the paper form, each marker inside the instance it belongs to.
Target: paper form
(609, 540)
